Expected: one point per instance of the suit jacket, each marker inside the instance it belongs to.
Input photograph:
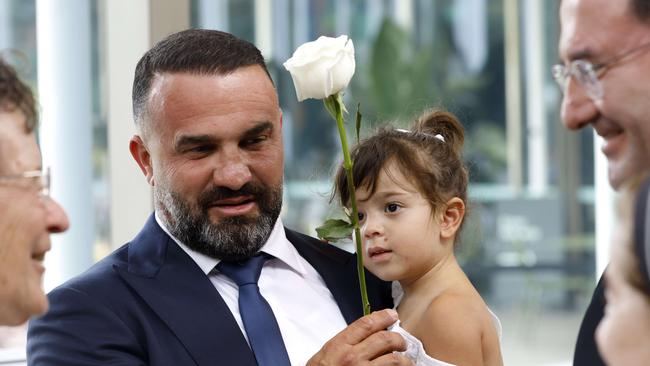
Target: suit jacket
(148, 303)
(586, 352)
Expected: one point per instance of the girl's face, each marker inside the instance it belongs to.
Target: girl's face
(623, 335)
(401, 234)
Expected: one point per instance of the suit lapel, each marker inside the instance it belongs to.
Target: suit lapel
(184, 298)
(338, 270)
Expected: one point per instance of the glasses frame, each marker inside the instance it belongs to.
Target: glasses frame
(43, 176)
(588, 74)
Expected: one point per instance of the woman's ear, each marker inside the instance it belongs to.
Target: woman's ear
(452, 217)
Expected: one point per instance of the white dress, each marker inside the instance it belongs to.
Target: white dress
(415, 349)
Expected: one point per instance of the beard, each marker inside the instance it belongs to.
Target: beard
(232, 238)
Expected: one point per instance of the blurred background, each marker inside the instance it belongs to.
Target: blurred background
(532, 245)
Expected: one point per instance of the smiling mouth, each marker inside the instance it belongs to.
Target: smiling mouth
(612, 144)
(38, 257)
(37, 262)
(612, 135)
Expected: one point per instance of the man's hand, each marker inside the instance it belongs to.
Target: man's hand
(364, 342)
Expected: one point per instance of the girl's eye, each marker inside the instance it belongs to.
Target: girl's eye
(392, 207)
(361, 216)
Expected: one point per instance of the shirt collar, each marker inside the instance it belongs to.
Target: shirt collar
(276, 245)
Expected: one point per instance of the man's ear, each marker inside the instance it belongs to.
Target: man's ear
(141, 155)
(452, 217)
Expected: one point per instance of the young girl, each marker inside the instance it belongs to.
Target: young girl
(411, 194)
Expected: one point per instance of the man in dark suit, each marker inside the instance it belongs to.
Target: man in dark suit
(605, 49)
(210, 143)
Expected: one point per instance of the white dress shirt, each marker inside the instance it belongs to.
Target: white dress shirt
(305, 309)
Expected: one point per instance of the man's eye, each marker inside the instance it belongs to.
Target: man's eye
(200, 149)
(255, 140)
(392, 207)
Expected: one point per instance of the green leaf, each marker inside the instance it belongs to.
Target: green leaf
(334, 230)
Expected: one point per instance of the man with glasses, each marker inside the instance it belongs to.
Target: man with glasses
(605, 78)
(27, 214)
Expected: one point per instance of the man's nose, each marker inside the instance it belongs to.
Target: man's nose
(578, 110)
(234, 172)
(56, 219)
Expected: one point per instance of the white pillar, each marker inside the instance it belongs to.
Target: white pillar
(167, 17)
(513, 93)
(126, 29)
(535, 101)
(604, 205)
(403, 14)
(213, 14)
(65, 96)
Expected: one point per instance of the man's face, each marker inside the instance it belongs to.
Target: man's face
(214, 156)
(597, 31)
(26, 220)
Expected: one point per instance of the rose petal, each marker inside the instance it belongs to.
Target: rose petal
(322, 67)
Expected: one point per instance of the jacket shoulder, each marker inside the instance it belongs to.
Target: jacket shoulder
(306, 242)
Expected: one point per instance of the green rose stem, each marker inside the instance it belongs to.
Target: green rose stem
(335, 106)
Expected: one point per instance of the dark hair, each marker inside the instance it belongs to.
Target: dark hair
(197, 51)
(434, 165)
(641, 9)
(14, 94)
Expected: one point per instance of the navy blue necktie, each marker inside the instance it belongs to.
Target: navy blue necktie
(261, 327)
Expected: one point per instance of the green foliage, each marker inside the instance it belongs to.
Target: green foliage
(334, 230)
(405, 77)
(487, 153)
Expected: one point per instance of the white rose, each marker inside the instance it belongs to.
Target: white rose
(322, 67)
